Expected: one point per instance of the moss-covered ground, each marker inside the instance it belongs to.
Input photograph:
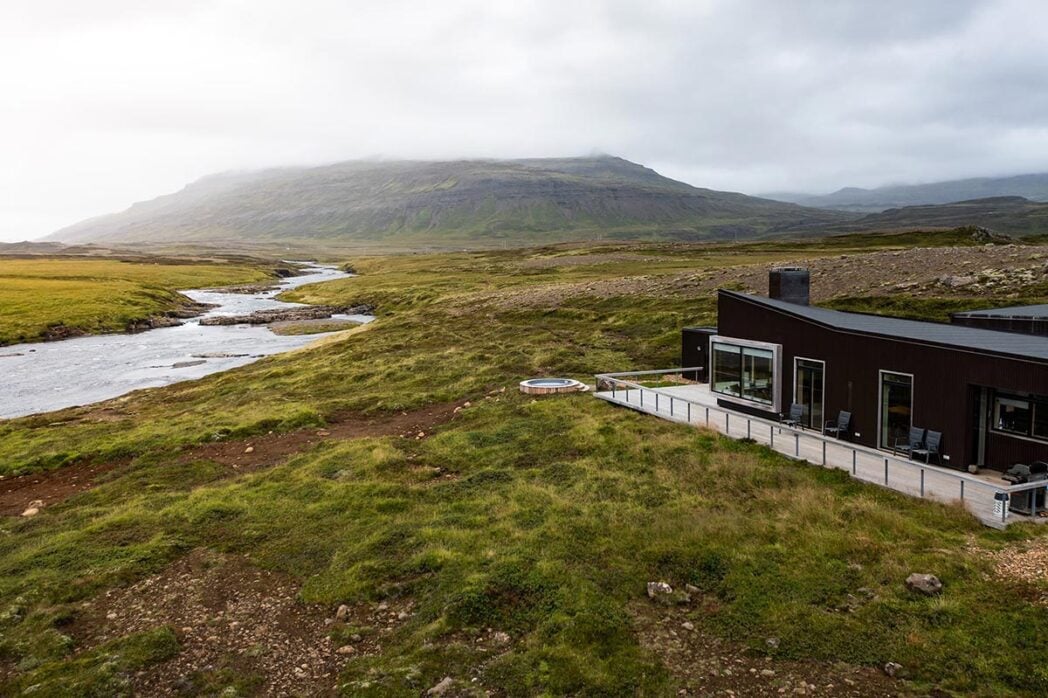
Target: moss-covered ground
(542, 518)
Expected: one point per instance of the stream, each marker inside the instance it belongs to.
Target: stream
(47, 376)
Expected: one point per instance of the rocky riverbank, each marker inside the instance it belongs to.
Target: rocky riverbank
(171, 318)
(266, 317)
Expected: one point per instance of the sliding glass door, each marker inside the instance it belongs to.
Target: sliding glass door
(808, 376)
(896, 407)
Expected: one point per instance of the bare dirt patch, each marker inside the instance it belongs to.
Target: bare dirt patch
(704, 665)
(1025, 563)
(884, 272)
(581, 260)
(17, 494)
(240, 455)
(236, 622)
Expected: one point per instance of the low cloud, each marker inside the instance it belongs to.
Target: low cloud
(114, 101)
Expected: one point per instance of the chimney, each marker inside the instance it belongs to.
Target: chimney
(789, 284)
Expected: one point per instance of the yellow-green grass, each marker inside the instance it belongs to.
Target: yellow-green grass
(312, 327)
(555, 514)
(98, 295)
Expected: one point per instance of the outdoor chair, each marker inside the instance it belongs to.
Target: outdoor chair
(911, 443)
(793, 419)
(930, 447)
(839, 427)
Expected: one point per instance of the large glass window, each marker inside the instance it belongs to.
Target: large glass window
(1040, 419)
(758, 374)
(727, 369)
(1012, 415)
(744, 371)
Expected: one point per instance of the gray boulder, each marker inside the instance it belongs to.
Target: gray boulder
(927, 584)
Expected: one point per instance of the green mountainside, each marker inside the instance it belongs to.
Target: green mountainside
(466, 202)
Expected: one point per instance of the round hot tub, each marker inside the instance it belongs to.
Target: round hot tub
(546, 386)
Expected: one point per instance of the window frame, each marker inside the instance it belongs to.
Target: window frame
(1035, 404)
(775, 405)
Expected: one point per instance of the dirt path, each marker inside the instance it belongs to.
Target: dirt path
(38, 490)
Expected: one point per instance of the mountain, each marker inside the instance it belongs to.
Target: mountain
(1029, 186)
(451, 202)
(1010, 215)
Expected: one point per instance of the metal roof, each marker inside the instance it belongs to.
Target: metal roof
(1013, 344)
(1017, 312)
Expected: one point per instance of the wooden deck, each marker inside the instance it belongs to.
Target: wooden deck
(694, 404)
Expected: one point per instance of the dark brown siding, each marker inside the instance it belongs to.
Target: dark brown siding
(941, 386)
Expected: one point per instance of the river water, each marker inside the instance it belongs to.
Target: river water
(54, 375)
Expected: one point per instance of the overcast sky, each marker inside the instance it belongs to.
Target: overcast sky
(106, 102)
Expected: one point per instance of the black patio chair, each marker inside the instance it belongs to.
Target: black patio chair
(793, 419)
(914, 441)
(930, 447)
(838, 427)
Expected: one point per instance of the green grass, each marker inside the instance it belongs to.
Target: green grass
(556, 513)
(98, 295)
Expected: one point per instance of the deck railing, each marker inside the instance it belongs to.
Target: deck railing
(989, 502)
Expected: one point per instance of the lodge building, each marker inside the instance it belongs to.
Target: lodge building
(980, 381)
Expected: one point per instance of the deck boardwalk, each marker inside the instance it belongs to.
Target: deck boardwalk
(694, 404)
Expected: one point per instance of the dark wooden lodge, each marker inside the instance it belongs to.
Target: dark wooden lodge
(984, 390)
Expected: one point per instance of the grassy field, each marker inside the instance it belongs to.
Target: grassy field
(91, 296)
(543, 519)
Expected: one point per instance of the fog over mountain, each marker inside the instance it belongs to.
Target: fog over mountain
(1030, 186)
(114, 101)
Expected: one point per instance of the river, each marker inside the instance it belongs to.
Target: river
(48, 376)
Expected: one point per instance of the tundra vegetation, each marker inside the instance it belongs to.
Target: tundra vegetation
(542, 519)
(69, 296)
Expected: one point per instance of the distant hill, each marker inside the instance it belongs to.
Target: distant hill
(1029, 186)
(28, 247)
(447, 203)
(1009, 215)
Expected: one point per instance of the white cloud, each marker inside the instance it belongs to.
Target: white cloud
(113, 101)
